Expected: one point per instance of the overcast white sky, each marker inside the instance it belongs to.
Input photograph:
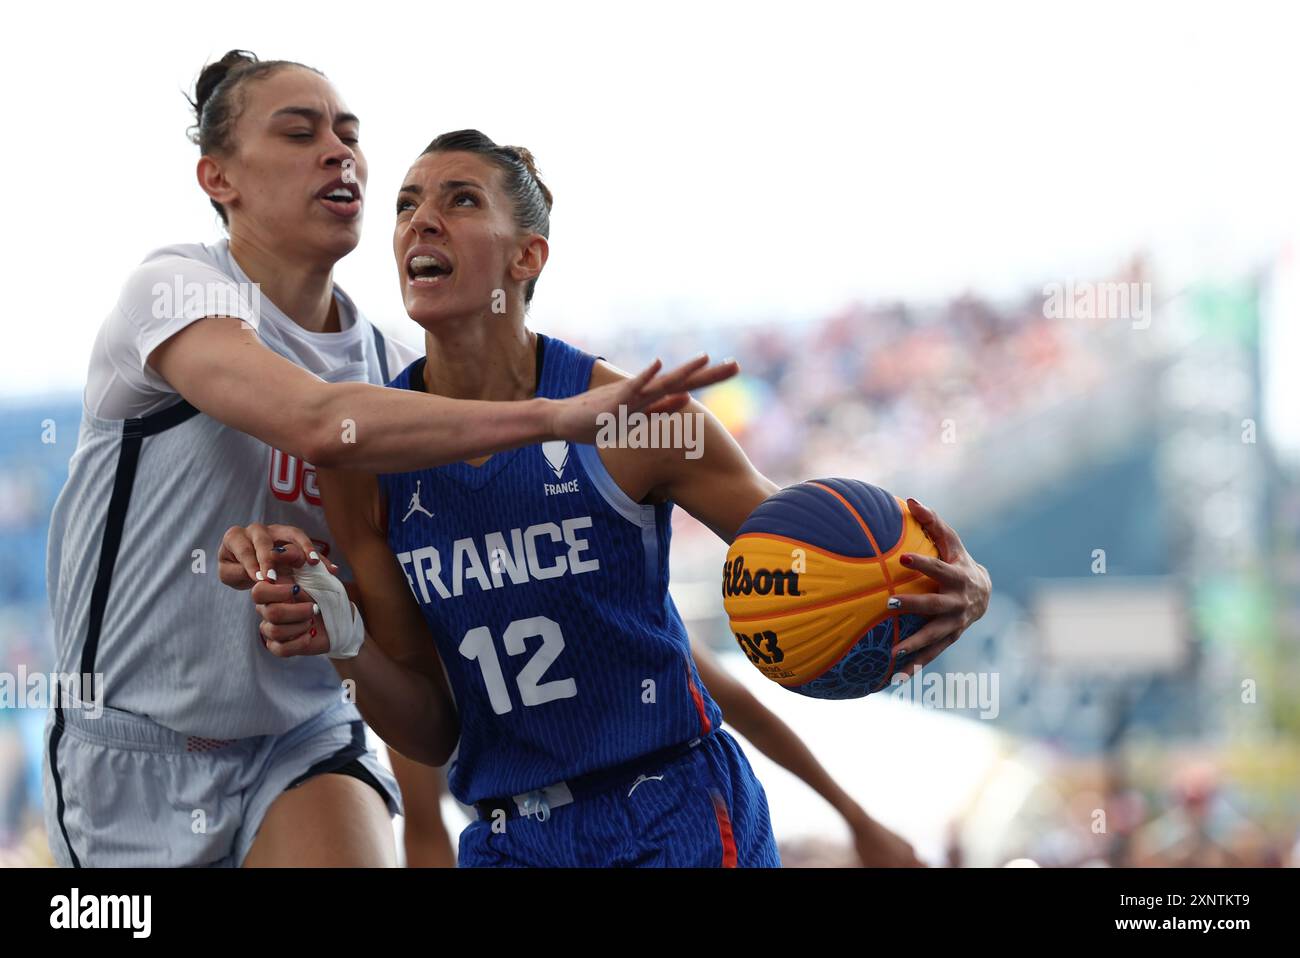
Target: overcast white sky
(711, 162)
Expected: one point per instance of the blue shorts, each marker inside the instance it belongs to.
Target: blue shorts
(704, 809)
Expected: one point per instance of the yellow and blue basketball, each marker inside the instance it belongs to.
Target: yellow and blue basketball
(807, 580)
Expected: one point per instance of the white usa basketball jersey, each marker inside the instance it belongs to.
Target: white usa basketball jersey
(131, 567)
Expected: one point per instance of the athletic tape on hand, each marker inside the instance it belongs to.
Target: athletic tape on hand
(346, 630)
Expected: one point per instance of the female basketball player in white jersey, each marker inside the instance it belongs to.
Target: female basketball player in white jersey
(595, 703)
(222, 376)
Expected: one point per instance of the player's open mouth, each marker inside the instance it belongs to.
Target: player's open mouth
(427, 269)
(342, 199)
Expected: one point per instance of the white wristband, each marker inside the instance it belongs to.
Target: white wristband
(342, 621)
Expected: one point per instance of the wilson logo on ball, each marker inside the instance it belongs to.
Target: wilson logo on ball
(737, 580)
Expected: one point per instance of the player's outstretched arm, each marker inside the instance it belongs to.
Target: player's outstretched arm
(221, 367)
(876, 846)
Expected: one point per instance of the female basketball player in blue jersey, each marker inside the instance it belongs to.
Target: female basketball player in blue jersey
(582, 732)
(221, 375)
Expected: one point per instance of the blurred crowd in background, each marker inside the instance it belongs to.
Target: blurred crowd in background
(869, 386)
(980, 409)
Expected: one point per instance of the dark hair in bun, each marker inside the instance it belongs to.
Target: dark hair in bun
(523, 184)
(217, 105)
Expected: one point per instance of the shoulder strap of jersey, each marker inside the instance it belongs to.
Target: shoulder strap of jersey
(382, 348)
(566, 370)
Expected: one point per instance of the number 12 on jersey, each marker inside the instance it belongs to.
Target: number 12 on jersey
(478, 646)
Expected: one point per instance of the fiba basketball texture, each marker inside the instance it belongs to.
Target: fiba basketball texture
(807, 581)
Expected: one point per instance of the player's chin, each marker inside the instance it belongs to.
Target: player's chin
(336, 240)
(428, 306)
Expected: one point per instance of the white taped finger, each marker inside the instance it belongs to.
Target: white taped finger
(346, 630)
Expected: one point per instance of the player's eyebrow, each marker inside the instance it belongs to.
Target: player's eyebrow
(415, 189)
(311, 113)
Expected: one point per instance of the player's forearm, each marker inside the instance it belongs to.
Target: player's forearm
(358, 426)
(777, 741)
(401, 704)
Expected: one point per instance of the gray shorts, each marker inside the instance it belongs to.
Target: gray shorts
(123, 791)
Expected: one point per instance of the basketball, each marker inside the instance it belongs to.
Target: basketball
(807, 581)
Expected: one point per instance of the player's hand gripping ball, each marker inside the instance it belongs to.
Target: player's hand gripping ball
(807, 582)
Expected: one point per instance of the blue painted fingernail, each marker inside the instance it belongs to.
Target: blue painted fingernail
(296, 590)
(900, 654)
(278, 549)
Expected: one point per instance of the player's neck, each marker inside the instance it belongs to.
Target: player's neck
(494, 361)
(302, 290)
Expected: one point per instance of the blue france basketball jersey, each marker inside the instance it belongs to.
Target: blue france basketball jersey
(546, 589)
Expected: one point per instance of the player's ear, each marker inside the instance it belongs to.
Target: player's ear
(213, 181)
(530, 258)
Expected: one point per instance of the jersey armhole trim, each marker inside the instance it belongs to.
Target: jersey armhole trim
(639, 514)
(645, 517)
